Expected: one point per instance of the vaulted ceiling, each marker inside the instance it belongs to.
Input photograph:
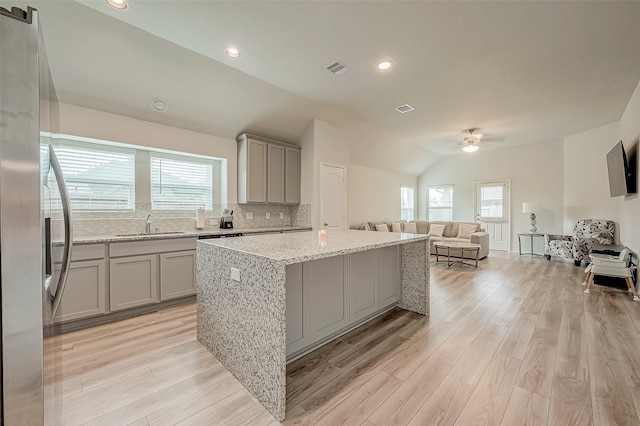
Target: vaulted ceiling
(521, 71)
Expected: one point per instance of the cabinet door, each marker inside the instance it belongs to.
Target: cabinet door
(133, 281)
(292, 176)
(388, 271)
(297, 309)
(256, 171)
(177, 274)
(363, 297)
(329, 296)
(84, 295)
(275, 173)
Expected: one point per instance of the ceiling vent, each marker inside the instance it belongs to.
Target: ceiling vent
(404, 108)
(338, 68)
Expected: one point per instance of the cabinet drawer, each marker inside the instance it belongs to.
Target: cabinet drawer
(134, 248)
(80, 252)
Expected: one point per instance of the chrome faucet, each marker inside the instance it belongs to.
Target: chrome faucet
(147, 225)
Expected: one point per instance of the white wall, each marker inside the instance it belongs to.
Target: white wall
(375, 194)
(536, 175)
(79, 121)
(630, 205)
(586, 180)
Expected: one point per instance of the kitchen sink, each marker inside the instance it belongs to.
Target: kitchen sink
(142, 234)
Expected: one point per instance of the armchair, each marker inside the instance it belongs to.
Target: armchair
(577, 246)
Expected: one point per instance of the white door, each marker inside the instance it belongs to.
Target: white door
(333, 193)
(492, 211)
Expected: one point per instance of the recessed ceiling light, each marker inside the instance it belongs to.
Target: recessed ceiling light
(159, 105)
(232, 52)
(118, 4)
(384, 65)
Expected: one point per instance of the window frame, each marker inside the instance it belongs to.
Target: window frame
(65, 142)
(439, 208)
(412, 209)
(210, 163)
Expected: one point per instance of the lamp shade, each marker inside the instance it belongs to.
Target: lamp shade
(531, 208)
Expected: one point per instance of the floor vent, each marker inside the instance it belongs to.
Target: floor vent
(404, 108)
(338, 68)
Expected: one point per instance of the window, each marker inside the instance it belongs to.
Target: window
(98, 177)
(440, 202)
(491, 202)
(181, 182)
(406, 203)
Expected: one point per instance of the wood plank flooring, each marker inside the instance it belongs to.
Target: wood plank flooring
(514, 342)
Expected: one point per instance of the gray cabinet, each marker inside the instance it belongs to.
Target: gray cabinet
(252, 171)
(84, 294)
(363, 300)
(292, 176)
(133, 281)
(329, 296)
(275, 173)
(297, 309)
(177, 274)
(268, 171)
(388, 275)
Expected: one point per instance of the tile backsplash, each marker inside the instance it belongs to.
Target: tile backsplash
(124, 222)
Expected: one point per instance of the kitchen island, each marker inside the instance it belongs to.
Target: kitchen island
(265, 300)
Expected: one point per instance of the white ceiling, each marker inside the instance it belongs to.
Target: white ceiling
(521, 71)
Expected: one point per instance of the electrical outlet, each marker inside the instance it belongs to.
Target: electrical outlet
(268, 215)
(249, 215)
(281, 215)
(235, 274)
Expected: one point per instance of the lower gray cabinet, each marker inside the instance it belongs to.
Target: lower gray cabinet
(177, 274)
(84, 294)
(363, 300)
(329, 296)
(297, 309)
(133, 281)
(388, 269)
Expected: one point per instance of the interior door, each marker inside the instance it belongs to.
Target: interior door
(492, 211)
(333, 197)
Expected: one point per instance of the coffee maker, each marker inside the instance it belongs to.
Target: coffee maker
(226, 221)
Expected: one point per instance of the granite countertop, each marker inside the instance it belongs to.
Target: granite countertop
(304, 246)
(103, 239)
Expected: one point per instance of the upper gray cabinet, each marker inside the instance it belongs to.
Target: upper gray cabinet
(268, 171)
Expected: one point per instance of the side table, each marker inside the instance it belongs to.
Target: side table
(531, 236)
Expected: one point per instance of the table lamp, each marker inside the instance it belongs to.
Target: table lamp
(531, 208)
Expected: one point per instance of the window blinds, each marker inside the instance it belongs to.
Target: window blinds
(181, 183)
(98, 177)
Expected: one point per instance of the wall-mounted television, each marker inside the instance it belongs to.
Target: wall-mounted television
(622, 175)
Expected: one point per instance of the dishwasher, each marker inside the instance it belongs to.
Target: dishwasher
(208, 237)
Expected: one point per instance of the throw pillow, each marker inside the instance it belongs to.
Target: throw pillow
(395, 227)
(466, 229)
(436, 230)
(410, 228)
(382, 227)
(365, 227)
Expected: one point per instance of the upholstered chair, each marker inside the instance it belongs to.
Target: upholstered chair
(577, 246)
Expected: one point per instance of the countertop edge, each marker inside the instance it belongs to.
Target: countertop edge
(106, 239)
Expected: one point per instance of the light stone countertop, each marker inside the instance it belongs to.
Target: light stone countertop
(103, 239)
(305, 246)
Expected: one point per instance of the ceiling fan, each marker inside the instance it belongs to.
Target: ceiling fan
(471, 139)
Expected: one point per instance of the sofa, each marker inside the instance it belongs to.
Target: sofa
(444, 231)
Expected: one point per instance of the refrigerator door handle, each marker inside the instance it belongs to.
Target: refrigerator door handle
(57, 291)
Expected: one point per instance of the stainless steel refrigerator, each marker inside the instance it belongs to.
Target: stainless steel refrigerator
(30, 292)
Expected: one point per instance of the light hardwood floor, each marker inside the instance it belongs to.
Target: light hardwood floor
(514, 342)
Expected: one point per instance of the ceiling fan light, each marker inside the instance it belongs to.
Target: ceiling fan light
(470, 148)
